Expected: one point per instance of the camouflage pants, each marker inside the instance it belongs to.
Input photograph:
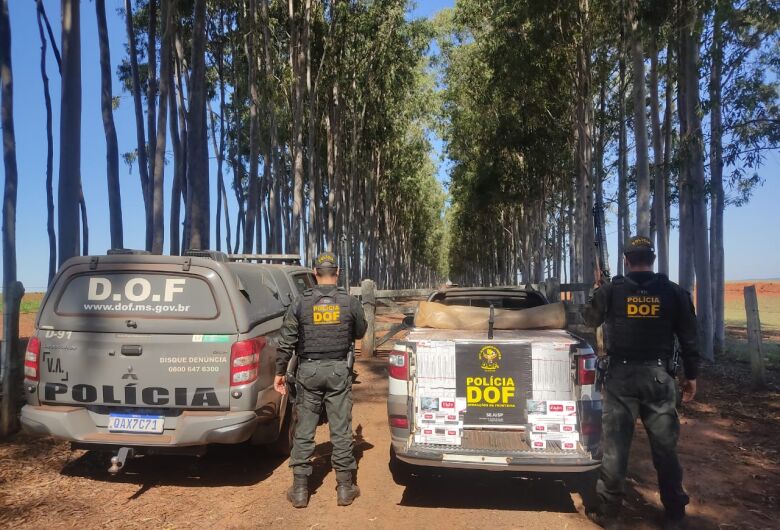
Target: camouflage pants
(329, 383)
(647, 392)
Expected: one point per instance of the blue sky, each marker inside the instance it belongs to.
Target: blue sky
(747, 252)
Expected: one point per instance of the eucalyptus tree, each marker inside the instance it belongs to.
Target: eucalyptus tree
(69, 185)
(197, 215)
(112, 147)
(52, 236)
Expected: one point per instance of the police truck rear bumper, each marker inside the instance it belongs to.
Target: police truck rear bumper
(190, 428)
(521, 461)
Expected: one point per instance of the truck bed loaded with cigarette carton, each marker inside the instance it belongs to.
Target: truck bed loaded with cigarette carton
(489, 379)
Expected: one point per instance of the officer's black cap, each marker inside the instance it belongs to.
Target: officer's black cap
(639, 244)
(326, 260)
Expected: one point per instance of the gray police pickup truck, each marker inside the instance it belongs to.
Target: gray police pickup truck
(140, 354)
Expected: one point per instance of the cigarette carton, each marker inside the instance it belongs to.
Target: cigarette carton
(562, 436)
(538, 442)
(545, 427)
(536, 407)
(438, 435)
(561, 408)
(568, 445)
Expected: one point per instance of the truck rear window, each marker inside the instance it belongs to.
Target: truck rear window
(140, 295)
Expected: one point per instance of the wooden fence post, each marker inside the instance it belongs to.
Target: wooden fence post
(754, 337)
(553, 288)
(11, 360)
(368, 288)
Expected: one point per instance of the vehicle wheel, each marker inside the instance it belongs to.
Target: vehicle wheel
(283, 444)
(401, 471)
(585, 484)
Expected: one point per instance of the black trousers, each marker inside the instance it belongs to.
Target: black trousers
(648, 392)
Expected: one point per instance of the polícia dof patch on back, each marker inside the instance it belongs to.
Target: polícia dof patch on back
(646, 306)
(326, 314)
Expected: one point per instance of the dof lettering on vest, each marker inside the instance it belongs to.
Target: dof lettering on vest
(643, 306)
(326, 314)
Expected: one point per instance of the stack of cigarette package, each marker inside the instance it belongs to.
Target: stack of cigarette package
(439, 415)
(552, 421)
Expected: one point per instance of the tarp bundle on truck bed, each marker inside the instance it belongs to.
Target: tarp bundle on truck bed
(441, 316)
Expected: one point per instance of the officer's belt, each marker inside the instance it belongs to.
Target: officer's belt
(658, 361)
(337, 356)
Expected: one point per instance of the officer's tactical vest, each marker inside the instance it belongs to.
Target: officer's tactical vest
(325, 325)
(640, 321)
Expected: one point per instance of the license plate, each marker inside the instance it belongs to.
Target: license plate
(136, 423)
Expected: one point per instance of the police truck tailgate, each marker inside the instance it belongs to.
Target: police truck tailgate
(491, 382)
(121, 370)
(144, 337)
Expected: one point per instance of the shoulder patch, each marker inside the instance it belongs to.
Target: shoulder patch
(617, 280)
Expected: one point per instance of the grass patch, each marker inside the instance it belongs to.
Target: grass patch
(737, 348)
(768, 311)
(31, 303)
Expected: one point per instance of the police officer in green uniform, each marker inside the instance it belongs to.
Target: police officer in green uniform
(321, 327)
(643, 312)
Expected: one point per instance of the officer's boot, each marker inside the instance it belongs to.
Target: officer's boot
(346, 489)
(298, 494)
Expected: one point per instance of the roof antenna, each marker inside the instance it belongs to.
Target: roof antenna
(491, 321)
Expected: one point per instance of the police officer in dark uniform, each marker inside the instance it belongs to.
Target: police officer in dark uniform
(321, 327)
(643, 312)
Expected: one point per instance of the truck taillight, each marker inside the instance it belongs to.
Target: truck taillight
(245, 360)
(399, 422)
(398, 365)
(32, 359)
(586, 369)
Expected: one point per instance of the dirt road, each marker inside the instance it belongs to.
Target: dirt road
(43, 483)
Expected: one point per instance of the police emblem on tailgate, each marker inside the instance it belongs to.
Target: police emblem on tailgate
(489, 357)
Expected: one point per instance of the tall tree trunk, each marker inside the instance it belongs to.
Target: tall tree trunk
(599, 163)
(198, 196)
(717, 255)
(158, 197)
(49, 151)
(69, 186)
(84, 224)
(254, 131)
(698, 190)
(296, 60)
(331, 168)
(143, 163)
(222, 133)
(112, 149)
(274, 174)
(151, 95)
(685, 267)
(10, 361)
(668, 111)
(179, 162)
(659, 193)
(585, 229)
(640, 124)
(623, 218)
(313, 234)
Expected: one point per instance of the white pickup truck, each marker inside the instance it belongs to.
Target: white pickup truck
(458, 399)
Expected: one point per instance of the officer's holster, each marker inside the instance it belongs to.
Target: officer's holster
(290, 378)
